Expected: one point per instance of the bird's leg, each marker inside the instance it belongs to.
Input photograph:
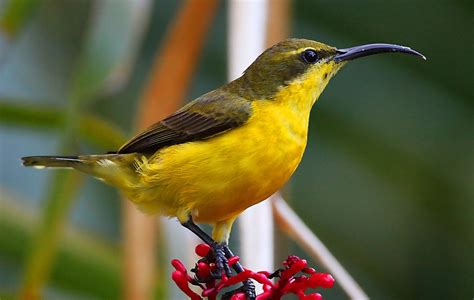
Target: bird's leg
(221, 252)
(189, 224)
(222, 264)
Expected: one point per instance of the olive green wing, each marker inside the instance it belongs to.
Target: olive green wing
(209, 115)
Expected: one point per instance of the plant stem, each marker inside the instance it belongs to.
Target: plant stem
(91, 129)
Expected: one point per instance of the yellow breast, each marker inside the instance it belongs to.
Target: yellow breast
(222, 176)
(216, 179)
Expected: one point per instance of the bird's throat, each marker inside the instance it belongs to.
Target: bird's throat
(300, 94)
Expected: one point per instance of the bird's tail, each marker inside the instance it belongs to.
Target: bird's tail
(115, 169)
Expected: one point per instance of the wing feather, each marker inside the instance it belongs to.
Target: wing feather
(209, 115)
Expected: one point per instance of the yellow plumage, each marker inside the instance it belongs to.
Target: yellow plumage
(196, 177)
(230, 148)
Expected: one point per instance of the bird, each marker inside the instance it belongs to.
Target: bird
(230, 148)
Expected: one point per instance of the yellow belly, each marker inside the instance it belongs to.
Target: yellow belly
(218, 178)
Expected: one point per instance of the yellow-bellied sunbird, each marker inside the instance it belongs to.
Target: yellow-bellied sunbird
(228, 149)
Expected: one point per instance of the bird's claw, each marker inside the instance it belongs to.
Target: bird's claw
(222, 264)
(248, 288)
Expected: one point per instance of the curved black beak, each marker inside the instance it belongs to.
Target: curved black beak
(370, 49)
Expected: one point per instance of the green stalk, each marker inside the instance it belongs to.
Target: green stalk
(78, 254)
(92, 129)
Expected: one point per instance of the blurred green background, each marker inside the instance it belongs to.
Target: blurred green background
(387, 181)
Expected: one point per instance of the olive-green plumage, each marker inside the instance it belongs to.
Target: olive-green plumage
(275, 68)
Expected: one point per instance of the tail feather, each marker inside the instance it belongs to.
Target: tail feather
(115, 169)
(51, 161)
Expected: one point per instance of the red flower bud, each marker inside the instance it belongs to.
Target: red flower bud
(178, 265)
(181, 281)
(314, 296)
(233, 260)
(202, 250)
(203, 271)
(295, 278)
(321, 280)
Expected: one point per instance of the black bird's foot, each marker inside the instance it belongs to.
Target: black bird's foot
(222, 264)
(248, 288)
(220, 255)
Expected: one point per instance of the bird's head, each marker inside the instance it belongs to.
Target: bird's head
(303, 64)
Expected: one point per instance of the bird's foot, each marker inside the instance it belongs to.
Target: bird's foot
(222, 264)
(248, 288)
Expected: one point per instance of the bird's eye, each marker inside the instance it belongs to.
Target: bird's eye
(310, 56)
